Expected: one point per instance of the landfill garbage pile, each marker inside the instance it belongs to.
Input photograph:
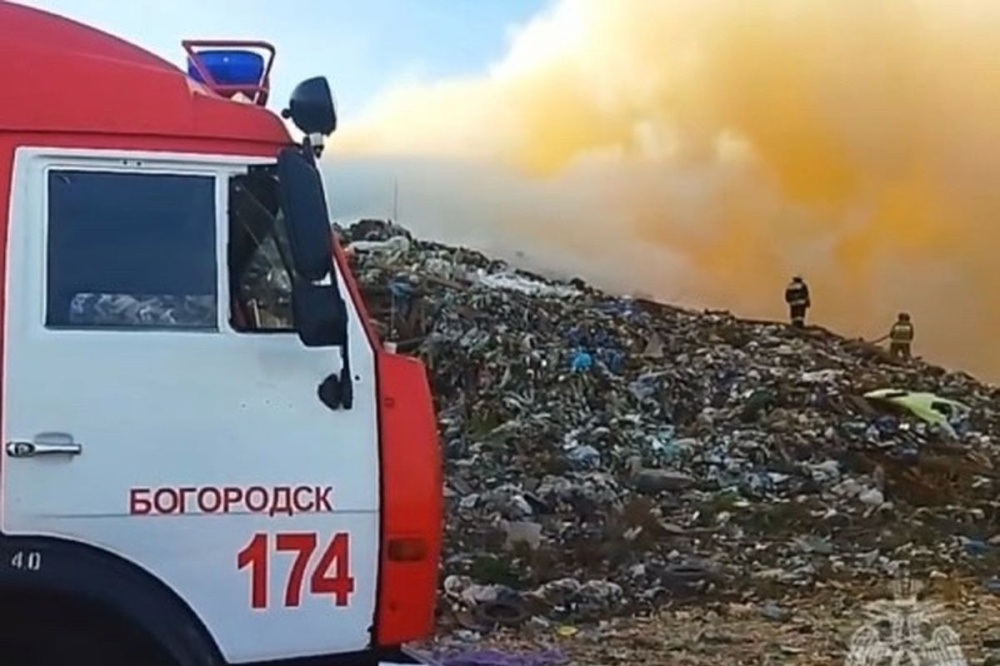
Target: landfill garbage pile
(607, 454)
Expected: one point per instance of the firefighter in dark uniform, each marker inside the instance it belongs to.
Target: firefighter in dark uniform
(901, 336)
(797, 298)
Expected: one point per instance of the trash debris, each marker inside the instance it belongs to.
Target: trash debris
(524, 532)
(509, 612)
(498, 658)
(931, 408)
(872, 497)
(773, 611)
(605, 454)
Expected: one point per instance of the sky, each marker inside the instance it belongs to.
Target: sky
(362, 47)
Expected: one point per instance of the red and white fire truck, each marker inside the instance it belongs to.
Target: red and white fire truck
(201, 465)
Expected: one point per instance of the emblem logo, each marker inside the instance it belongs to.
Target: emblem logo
(905, 631)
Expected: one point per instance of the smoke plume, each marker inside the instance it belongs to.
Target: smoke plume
(703, 151)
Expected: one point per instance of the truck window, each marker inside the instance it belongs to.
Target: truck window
(131, 251)
(260, 281)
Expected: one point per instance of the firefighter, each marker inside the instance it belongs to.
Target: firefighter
(797, 298)
(901, 336)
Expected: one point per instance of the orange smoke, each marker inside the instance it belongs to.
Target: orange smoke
(705, 150)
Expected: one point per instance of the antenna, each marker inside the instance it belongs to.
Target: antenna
(395, 199)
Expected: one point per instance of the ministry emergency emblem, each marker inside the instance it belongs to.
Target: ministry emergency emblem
(905, 632)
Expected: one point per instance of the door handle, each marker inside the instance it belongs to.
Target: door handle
(46, 444)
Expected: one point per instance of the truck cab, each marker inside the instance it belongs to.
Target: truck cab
(208, 455)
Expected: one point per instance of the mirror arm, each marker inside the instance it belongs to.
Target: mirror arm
(313, 145)
(335, 392)
(346, 381)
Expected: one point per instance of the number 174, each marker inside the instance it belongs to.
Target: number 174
(256, 555)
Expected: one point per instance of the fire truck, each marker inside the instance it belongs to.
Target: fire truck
(209, 456)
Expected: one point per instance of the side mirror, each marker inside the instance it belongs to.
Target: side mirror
(306, 217)
(311, 107)
(320, 316)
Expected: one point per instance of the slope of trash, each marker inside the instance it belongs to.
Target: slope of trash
(606, 455)
(956, 626)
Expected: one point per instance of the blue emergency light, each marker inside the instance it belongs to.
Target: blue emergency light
(230, 67)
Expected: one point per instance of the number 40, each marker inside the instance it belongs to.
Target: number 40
(255, 555)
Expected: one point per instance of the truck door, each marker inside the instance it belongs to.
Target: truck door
(158, 406)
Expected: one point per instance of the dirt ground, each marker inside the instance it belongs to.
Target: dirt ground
(812, 630)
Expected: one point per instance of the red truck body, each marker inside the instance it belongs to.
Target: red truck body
(199, 497)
